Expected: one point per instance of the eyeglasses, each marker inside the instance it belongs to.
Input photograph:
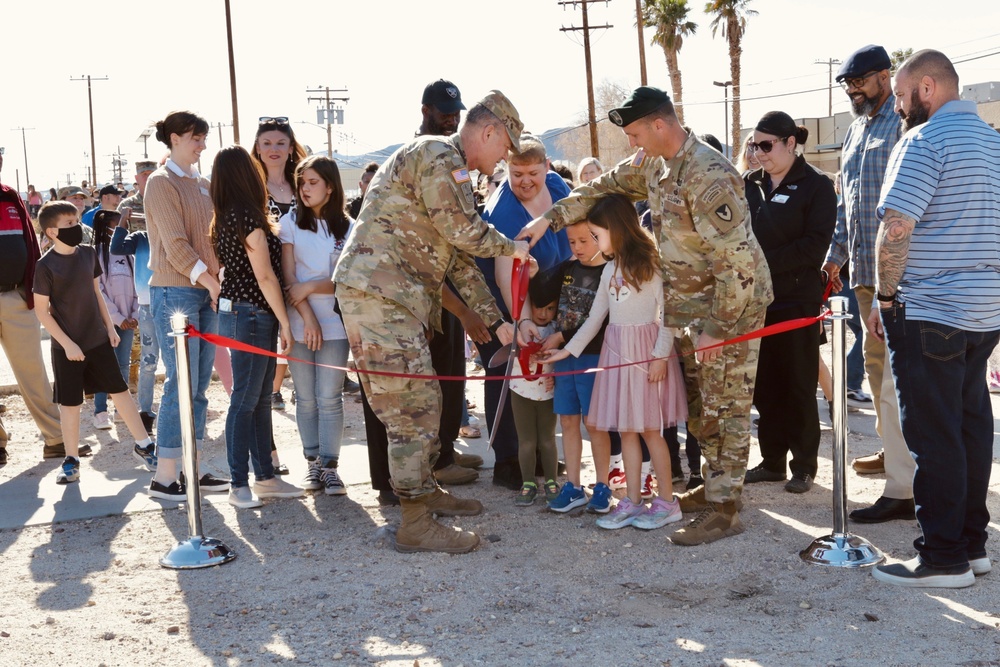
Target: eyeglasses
(856, 82)
(277, 120)
(765, 145)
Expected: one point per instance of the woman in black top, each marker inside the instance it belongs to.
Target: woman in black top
(251, 310)
(793, 209)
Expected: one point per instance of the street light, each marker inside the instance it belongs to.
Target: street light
(725, 86)
(145, 135)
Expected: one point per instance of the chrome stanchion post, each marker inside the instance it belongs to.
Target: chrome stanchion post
(840, 549)
(196, 551)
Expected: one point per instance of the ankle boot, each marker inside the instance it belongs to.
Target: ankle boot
(716, 521)
(445, 504)
(420, 532)
(694, 500)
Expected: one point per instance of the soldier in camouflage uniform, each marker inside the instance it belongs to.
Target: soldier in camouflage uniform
(418, 226)
(716, 286)
(137, 221)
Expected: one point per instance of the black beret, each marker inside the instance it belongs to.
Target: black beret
(643, 101)
(869, 58)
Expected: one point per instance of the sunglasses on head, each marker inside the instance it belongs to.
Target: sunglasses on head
(765, 145)
(277, 120)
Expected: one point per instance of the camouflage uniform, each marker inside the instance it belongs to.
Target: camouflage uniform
(715, 280)
(135, 203)
(419, 226)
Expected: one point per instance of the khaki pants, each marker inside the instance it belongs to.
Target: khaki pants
(899, 464)
(21, 337)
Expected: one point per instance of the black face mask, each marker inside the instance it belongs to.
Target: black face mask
(71, 236)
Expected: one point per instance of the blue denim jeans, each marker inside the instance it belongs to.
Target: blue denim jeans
(319, 398)
(149, 355)
(123, 353)
(196, 304)
(856, 355)
(248, 422)
(947, 421)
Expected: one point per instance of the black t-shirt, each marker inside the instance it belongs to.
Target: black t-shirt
(579, 287)
(239, 283)
(13, 251)
(68, 281)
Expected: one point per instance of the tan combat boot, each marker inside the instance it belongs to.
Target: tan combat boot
(694, 500)
(455, 474)
(468, 460)
(420, 532)
(716, 521)
(445, 504)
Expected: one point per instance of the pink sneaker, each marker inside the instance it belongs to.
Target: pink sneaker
(994, 382)
(659, 514)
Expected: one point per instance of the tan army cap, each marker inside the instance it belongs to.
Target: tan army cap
(504, 109)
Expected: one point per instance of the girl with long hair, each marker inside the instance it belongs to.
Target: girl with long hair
(251, 310)
(312, 237)
(640, 399)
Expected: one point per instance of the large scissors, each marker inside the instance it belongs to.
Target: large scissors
(508, 353)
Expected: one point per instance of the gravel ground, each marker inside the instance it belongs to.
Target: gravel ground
(317, 582)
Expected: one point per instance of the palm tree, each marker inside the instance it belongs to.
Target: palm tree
(731, 17)
(669, 18)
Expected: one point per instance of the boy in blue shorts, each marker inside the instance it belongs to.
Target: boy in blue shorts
(580, 277)
(69, 304)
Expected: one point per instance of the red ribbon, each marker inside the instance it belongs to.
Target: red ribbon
(780, 327)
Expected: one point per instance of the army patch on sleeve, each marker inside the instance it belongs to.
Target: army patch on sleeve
(725, 213)
(638, 158)
(461, 175)
(470, 199)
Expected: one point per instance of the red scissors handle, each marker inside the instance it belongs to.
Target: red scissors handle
(518, 288)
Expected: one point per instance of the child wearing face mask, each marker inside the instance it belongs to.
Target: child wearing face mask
(69, 304)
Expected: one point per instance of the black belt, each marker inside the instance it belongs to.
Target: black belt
(10, 287)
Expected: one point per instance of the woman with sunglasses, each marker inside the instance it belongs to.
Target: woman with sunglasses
(793, 210)
(278, 153)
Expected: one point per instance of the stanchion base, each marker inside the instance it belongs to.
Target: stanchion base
(197, 552)
(842, 550)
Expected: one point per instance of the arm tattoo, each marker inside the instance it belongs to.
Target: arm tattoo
(892, 249)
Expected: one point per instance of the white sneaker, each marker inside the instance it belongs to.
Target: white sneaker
(647, 482)
(276, 488)
(242, 497)
(102, 421)
(980, 566)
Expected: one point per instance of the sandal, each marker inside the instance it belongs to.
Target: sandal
(470, 432)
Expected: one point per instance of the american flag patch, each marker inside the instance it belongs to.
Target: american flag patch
(638, 158)
(461, 175)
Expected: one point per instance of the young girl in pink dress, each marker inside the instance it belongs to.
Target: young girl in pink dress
(643, 398)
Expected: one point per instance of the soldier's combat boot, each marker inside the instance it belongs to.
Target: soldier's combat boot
(420, 532)
(716, 521)
(445, 504)
(694, 500)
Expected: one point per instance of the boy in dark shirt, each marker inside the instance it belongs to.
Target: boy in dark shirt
(581, 277)
(68, 303)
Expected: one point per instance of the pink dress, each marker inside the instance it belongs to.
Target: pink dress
(624, 400)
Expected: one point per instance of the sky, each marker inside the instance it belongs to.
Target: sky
(161, 56)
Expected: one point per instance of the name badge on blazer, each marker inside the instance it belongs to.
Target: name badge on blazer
(779, 199)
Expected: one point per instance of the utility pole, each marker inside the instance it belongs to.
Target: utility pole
(90, 105)
(329, 113)
(24, 145)
(595, 150)
(830, 62)
(116, 165)
(232, 76)
(642, 42)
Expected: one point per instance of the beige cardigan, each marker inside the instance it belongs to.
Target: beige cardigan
(178, 216)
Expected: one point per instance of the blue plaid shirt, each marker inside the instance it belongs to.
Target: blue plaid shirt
(866, 151)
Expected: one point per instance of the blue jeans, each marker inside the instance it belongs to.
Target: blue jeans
(947, 421)
(196, 304)
(123, 353)
(319, 398)
(248, 422)
(856, 355)
(149, 354)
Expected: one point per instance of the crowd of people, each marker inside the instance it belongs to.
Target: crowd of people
(646, 270)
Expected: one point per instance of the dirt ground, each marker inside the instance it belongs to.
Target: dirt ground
(316, 582)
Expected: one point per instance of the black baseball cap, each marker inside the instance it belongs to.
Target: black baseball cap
(869, 58)
(444, 96)
(643, 101)
(111, 190)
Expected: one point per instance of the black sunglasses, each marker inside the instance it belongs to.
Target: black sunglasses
(277, 120)
(765, 145)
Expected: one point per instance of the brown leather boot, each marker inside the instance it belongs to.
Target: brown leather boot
(445, 504)
(468, 460)
(455, 474)
(694, 500)
(420, 532)
(715, 522)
